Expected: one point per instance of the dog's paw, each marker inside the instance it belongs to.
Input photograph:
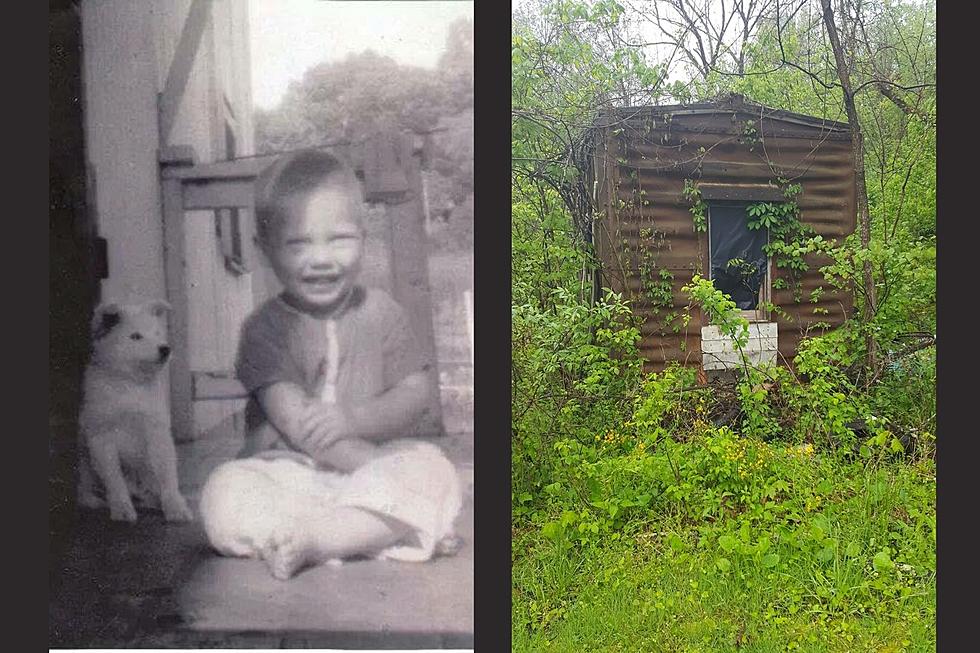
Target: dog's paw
(122, 511)
(90, 501)
(177, 510)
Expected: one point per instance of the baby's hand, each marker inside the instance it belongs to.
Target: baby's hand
(322, 426)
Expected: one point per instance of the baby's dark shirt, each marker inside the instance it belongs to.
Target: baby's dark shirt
(279, 343)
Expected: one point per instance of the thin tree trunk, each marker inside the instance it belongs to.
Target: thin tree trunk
(863, 213)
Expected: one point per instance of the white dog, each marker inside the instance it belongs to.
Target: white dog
(128, 451)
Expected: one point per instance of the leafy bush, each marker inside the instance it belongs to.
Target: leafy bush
(574, 369)
(787, 494)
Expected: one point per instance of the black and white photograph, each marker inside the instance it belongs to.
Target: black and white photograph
(261, 349)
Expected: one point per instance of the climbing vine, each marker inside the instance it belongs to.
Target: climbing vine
(749, 135)
(699, 209)
(790, 241)
(657, 282)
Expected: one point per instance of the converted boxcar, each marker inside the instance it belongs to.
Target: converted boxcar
(710, 189)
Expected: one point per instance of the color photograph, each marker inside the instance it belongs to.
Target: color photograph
(724, 325)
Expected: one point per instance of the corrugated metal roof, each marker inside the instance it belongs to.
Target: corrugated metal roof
(732, 102)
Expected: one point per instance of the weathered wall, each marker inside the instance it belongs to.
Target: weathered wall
(642, 161)
(120, 77)
(128, 52)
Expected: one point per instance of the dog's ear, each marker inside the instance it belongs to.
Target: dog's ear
(104, 318)
(159, 308)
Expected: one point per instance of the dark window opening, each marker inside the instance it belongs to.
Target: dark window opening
(738, 262)
(236, 235)
(231, 145)
(230, 219)
(231, 239)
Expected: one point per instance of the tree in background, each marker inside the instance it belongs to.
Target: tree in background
(350, 99)
(347, 101)
(456, 65)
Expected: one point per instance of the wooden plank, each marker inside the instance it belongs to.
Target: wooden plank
(236, 169)
(207, 301)
(182, 64)
(245, 168)
(410, 276)
(218, 194)
(177, 155)
(210, 386)
(175, 268)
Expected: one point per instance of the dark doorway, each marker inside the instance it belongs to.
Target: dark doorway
(73, 273)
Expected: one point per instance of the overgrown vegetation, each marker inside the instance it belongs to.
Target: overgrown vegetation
(791, 507)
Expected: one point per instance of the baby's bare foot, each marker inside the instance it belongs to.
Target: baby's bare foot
(286, 555)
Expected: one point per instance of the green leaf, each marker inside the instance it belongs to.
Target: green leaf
(552, 530)
(723, 564)
(817, 532)
(826, 554)
(882, 561)
(743, 532)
